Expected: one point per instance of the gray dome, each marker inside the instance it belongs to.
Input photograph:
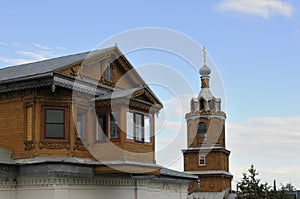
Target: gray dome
(204, 71)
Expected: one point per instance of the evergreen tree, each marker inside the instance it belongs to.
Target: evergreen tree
(250, 187)
(288, 187)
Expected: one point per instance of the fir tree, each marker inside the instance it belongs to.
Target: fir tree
(250, 187)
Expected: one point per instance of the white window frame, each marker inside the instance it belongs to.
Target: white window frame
(202, 158)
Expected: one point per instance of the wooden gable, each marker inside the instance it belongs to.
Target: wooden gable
(145, 95)
(95, 68)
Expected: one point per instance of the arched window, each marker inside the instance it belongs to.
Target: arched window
(201, 132)
(201, 160)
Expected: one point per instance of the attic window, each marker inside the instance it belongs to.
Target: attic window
(108, 71)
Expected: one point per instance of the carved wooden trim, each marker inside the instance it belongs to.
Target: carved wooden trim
(138, 105)
(103, 104)
(73, 72)
(54, 145)
(55, 101)
(80, 147)
(28, 145)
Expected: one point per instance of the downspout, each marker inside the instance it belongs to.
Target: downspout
(196, 189)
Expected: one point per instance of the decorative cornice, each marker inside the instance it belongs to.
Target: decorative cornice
(69, 181)
(33, 83)
(77, 85)
(106, 182)
(210, 172)
(205, 114)
(7, 184)
(206, 149)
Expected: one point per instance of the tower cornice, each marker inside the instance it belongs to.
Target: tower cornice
(205, 150)
(205, 114)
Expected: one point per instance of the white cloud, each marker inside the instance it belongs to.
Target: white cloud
(60, 48)
(171, 132)
(260, 8)
(270, 143)
(263, 137)
(26, 53)
(42, 47)
(38, 56)
(14, 61)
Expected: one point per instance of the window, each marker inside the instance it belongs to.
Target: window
(139, 128)
(54, 123)
(113, 125)
(108, 126)
(202, 160)
(81, 125)
(129, 125)
(202, 104)
(147, 129)
(101, 128)
(201, 131)
(107, 72)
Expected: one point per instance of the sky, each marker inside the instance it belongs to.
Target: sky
(253, 48)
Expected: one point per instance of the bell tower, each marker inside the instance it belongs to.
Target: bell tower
(206, 155)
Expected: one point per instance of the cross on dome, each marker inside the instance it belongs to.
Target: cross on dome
(205, 70)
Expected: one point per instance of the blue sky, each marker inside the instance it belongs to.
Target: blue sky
(255, 45)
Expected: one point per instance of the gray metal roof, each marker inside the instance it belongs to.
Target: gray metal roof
(119, 93)
(41, 67)
(174, 173)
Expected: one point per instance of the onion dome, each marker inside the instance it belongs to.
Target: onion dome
(205, 71)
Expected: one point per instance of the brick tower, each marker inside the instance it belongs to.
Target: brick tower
(206, 155)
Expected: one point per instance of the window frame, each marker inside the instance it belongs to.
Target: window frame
(116, 123)
(149, 128)
(84, 115)
(202, 158)
(64, 122)
(142, 138)
(201, 132)
(131, 137)
(134, 133)
(107, 71)
(107, 126)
